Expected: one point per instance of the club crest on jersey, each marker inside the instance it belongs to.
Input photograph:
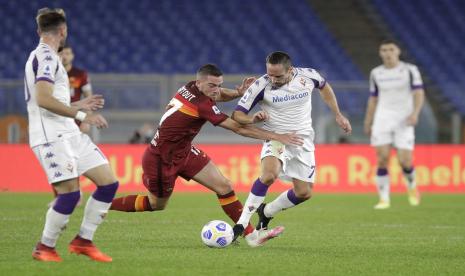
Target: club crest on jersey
(303, 81)
(216, 110)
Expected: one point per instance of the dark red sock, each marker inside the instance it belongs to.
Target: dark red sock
(131, 203)
(233, 208)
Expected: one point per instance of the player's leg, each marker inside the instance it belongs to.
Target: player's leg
(55, 194)
(56, 219)
(301, 192)
(404, 142)
(94, 165)
(95, 211)
(270, 169)
(159, 185)
(204, 171)
(301, 167)
(382, 176)
(58, 162)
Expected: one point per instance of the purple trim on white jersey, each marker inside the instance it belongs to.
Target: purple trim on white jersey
(243, 109)
(44, 79)
(414, 87)
(374, 93)
(255, 101)
(35, 65)
(258, 98)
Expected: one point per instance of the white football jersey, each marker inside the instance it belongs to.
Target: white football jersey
(289, 106)
(44, 126)
(393, 87)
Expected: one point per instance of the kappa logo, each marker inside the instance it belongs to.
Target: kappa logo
(70, 167)
(48, 58)
(303, 81)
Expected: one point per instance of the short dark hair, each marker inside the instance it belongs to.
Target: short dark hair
(279, 57)
(209, 70)
(389, 41)
(49, 20)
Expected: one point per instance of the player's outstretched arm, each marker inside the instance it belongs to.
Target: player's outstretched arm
(329, 98)
(258, 133)
(243, 118)
(46, 100)
(90, 103)
(227, 94)
(370, 112)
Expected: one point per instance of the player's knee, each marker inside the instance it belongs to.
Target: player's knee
(223, 187)
(268, 178)
(405, 163)
(382, 161)
(303, 195)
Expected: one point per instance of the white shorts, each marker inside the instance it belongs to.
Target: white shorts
(297, 161)
(401, 137)
(69, 158)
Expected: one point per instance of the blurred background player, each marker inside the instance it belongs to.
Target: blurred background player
(171, 153)
(395, 102)
(63, 151)
(79, 81)
(284, 95)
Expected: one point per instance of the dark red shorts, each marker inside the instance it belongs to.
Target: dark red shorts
(159, 177)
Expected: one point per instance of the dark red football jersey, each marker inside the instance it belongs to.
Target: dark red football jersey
(78, 81)
(188, 112)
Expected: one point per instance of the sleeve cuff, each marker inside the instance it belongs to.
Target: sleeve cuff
(243, 109)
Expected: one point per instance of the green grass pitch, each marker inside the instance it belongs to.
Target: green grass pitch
(329, 235)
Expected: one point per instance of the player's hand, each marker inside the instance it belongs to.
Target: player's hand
(290, 139)
(92, 102)
(245, 84)
(412, 120)
(96, 120)
(344, 123)
(260, 116)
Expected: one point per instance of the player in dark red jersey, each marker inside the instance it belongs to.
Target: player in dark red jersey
(79, 82)
(171, 153)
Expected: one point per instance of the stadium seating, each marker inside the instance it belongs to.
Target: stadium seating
(434, 33)
(177, 36)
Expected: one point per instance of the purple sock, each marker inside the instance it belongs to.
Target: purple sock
(408, 170)
(105, 193)
(258, 188)
(381, 172)
(293, 198)
(65, 203)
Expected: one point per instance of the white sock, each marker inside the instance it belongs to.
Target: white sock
(55, 223)
(410, 178)
(280, 203)
(250, 206)
(94, 213)
(382, 182)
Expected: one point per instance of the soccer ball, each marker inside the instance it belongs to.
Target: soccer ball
(217, 233)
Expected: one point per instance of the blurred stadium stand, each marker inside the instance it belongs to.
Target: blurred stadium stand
(434, 32)
(140, 52)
